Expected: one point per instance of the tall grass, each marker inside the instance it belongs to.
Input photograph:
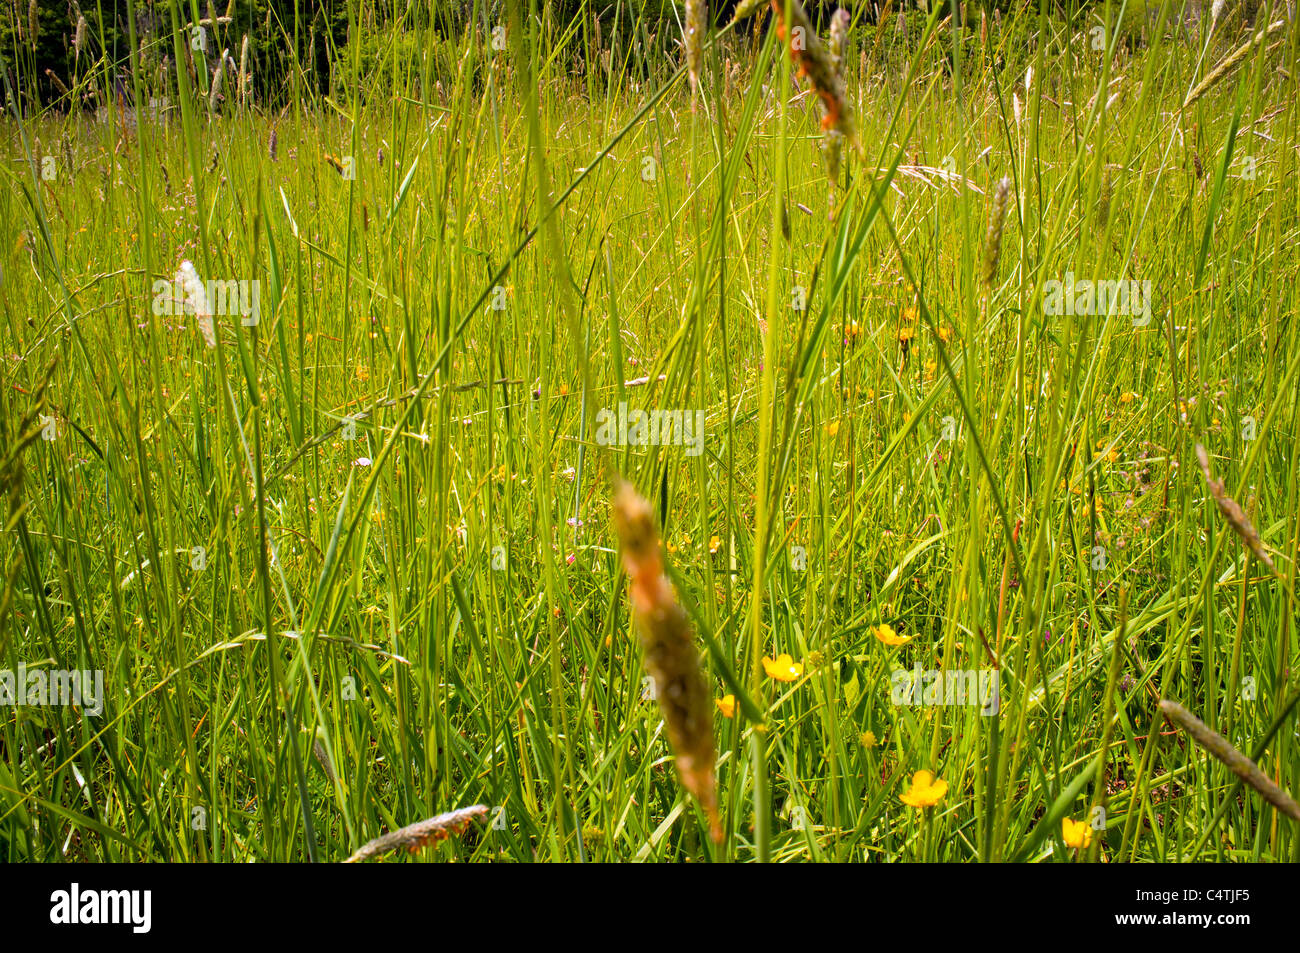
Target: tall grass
(409, 597)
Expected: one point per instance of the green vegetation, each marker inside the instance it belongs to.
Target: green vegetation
(353, 566)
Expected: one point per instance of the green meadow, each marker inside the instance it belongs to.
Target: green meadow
(919, 430)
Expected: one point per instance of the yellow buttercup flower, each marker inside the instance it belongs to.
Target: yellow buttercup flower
(714, 544)
(727, 705)
(926, 790)
(868, 740)
(832, 428)
(885, 633)
(783, 668)
(1075, 833)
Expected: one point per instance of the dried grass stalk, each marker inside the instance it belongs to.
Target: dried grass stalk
(671, 656)
(420, 834)
(1238, 763)
(1233, 513)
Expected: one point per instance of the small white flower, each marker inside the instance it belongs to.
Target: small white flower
(362, 462)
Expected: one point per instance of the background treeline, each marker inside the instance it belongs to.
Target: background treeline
(70, 54)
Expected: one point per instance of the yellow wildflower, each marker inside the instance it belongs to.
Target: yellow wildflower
(783, 668)
(1075, 833)
(926, 790)
(885, 633)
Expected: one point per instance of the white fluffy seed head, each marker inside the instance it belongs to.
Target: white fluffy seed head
(196, 301)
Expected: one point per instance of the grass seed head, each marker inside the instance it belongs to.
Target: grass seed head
(833, 144)
(1238, 763)
(839, 40)
(671, 656)
(1233, 513)
(993, 237)
(244, 75)
(420, 834)
(833, 147)
(816, 66)
(196, 301)
(746, 8)
(696, 26)
(214, 96)
(1103, 200)
(58, 83)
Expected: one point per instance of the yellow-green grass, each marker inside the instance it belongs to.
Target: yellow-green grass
(1008, 488)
